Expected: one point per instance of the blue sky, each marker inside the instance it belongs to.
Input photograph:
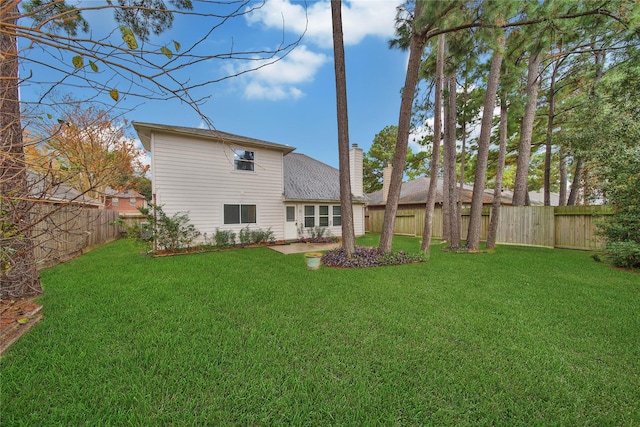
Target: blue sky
(292, 101)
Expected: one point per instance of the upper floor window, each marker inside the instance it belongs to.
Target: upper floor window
(243, 160)
(132, 201)
(115, 201)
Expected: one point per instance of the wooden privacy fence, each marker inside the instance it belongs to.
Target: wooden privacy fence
(572, 227)
(63, 232)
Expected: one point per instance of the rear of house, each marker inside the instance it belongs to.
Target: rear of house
(229, 182)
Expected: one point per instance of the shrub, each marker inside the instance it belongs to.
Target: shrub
(129, 230)
(224, 238)
(245, 236)
(624, 254)
(368, 257)
(171, 233)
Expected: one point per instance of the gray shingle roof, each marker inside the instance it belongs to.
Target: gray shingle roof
(415, 192)
(308, 179)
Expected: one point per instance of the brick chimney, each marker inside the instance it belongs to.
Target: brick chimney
(386, 180)
(355, 168)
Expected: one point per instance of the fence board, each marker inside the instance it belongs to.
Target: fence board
(63, 232)
(562, 227)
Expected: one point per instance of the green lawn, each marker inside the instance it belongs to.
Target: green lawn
(524, 336)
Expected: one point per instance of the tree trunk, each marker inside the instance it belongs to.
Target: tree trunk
(18, 273)
(446, 215)
(435, 157)
(416, 47)
(450, 165)
(575, 184)
(497, 190)
(526, 131)
(475, 219)
(346, 207)
(563, 177)
(549, 138)
(463, 155)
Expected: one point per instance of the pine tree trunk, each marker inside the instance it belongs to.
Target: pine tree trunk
(549, 139)
(450, 165)
(346, 207)
(497, 190)
(418, 40)
(18, 273)
(576, 183)
(526, 132)
(563, 177)
(475, 219)
(446, 215)
(435, 157)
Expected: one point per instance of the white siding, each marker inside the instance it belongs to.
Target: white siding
(358, 220)
(197, 176)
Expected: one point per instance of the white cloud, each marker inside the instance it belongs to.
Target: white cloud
(360, 18)
(281, 80)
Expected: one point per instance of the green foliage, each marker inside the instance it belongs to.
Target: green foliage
(250, 236)
(224, 238)
(131, 230)
(381, 154)
(171, 233)
(41, 11)
(147, 17)
(624, 254)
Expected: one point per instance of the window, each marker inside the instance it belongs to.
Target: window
(115, 201)
(239, 214)
(337, 217)
(323, 219)
(309, 216)
(132, 201)
(243, 160)
(291, 214)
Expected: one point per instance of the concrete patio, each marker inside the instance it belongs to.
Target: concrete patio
(299, 248)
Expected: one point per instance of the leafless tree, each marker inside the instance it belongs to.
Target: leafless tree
(125, 62)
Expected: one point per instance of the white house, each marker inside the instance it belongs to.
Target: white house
(228, 182)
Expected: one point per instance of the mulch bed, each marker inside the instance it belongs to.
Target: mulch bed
(16, 318)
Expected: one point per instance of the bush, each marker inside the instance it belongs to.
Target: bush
(369, 257)
(624, 254)
(224, 238)
(173, 233)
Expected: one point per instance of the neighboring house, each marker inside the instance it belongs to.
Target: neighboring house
(126, 202)
(46, 189)
(228, 182)
(413, 195)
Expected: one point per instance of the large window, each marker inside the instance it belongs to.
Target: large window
(239, 214)
(243, 160)
(323, 218)
(309, 216)
(337, 217)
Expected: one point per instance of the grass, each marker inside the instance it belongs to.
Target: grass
(523, 336)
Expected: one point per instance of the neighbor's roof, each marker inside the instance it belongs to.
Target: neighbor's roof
(415, 192)
(124, 194)
(45, 188)
(307, 179)
(145, 129)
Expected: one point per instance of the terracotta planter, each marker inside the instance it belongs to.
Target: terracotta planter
(313, 260)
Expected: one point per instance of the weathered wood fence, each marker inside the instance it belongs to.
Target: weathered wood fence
(64, 232)
(572, 227)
